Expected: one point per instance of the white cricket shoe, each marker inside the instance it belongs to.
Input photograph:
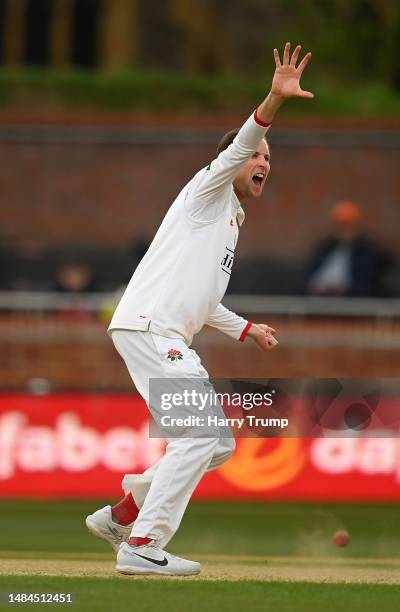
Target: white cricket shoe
(100, 523)
(151, 559)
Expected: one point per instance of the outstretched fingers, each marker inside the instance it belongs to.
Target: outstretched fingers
(286, 53)
(295, 55)
(291, 61)
(277, 58)
(286, 81)
(304, 62)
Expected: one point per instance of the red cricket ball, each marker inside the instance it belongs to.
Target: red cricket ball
(341, 538)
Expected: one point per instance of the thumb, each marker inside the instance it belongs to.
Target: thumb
(306, 94)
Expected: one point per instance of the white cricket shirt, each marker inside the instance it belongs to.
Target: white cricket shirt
(178, 285)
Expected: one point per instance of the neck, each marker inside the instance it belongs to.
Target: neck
(240, 197)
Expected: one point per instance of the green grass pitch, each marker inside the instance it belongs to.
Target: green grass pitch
(223, 535)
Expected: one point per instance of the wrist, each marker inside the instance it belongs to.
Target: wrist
(274, 101)
(274, 98)
(267, 109)
(246, 331)
(253, 331)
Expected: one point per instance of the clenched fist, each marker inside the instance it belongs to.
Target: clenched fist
(263, 336)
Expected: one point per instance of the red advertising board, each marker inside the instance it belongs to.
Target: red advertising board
(76, 445)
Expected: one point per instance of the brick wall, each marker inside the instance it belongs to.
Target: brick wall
(79, 354)
(109, 194)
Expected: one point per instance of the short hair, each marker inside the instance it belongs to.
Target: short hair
(228, 138)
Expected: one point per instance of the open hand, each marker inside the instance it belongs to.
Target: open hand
(263, 336)
(286, 81)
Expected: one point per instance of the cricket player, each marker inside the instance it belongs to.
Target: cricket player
(176, 290)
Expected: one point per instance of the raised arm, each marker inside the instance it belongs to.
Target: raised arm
(222, 171)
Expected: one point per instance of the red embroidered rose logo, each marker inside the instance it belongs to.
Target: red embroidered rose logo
(174, 355)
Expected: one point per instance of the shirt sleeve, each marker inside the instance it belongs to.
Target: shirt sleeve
(210, 183)
(229, 323)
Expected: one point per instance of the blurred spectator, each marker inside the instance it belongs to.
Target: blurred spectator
(346, 263)
(74, 277)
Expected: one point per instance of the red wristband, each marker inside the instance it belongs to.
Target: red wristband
(258, 120)
(245, 332)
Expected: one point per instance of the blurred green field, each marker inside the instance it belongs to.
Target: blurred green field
(263, 536)
(43, 90)
(170, 596)
(235, 528)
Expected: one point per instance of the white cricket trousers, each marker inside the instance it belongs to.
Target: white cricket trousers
(163, 491)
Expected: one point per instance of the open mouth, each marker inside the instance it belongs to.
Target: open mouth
(258, 179)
